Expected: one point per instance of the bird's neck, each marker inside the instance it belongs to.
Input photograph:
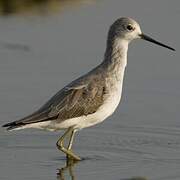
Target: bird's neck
(115, 58)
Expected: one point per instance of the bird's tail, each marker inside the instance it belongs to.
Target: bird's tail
(13, 126)
(26, 122)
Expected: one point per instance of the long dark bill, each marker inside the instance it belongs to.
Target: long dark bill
(147, 38)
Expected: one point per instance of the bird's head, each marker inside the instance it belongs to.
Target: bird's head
(128, 29)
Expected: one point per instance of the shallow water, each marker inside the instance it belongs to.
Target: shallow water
(40, 53)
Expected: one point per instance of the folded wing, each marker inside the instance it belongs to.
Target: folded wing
(72, 101)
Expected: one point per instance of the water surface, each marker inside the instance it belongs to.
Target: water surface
(42, 52)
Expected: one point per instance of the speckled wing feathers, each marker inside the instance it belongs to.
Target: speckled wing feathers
(78, 102)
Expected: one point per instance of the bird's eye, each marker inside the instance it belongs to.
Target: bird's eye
(130, 27)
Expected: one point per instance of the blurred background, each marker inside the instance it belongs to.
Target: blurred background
(31, 7)
(45, 44)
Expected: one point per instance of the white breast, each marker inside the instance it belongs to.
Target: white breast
(107, 108)
(103, 112)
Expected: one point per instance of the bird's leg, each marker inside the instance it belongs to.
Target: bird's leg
(60, 145)
(71, 142)
(71, 139)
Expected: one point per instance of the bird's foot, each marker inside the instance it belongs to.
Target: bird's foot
(70, 156)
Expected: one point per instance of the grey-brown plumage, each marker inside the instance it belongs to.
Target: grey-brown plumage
(81, 97)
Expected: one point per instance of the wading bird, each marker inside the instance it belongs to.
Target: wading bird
(92, 98)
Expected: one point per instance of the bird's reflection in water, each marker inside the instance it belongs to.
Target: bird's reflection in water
(67, 169)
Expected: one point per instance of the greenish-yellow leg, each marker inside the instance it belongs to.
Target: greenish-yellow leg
(70, 142)
(71, 139)
(67, 151)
